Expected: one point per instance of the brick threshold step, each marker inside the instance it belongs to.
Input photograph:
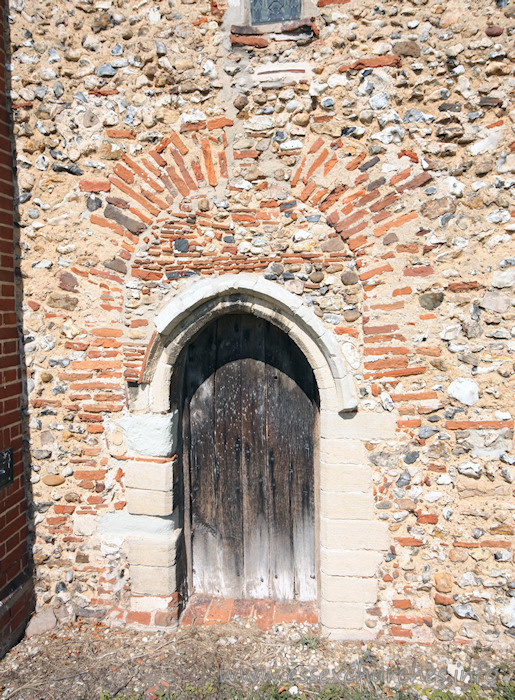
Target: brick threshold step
(207, 610)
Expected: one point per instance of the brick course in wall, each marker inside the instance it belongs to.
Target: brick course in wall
(16, 591)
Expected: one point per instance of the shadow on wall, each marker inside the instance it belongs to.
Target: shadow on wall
(16, 510)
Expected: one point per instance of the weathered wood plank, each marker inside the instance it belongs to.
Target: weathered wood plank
(279, 438)
(228, 495)
(200, 382)
(302, 499)
(256, 488)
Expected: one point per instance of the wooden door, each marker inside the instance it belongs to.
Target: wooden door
(249, 425)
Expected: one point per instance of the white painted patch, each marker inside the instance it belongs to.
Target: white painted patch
(151, 434)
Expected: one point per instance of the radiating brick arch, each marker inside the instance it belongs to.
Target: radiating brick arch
(150, 202)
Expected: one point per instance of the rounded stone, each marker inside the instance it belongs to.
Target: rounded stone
(53, 480)
(67, 281)
(443, 582)
(351, 315)
(181, 245)
(203, 204)
(430, 300)
(350, 277)
(241, 102)
(301, 119)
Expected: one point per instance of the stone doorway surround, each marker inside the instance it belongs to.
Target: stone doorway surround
(351, 540)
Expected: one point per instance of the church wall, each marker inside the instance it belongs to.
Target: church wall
(361, 160)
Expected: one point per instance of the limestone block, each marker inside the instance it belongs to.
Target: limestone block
(149, 603)
(344, 478)
(353, 534)
(152, 434)
(159, 391)
(348, 589)
(369, 426)
(153, 580)
(333, 426)
(342, 615)
(349, 562)
(352, 506)
(342, 451)
(148, 502)
(152, 551)
(149, 475)
(114, 528)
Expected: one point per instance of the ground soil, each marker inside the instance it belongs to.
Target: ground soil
(91, 661)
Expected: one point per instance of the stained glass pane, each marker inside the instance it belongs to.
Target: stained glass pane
(268, 11)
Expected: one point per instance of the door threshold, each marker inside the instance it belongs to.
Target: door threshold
(204, 610)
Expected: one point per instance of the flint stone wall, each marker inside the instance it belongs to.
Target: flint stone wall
(362, 160)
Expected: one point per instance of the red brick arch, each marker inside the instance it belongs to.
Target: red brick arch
(151, 214)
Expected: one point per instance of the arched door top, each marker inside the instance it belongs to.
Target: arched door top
(186, 313)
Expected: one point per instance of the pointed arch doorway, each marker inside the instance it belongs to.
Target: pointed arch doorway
(249, 423)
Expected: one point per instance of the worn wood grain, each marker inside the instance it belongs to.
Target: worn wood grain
(248, 426)
(200, 384)
(256, 493)
(228, 439)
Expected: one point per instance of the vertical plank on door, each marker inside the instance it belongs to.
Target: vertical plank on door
(302, 482)
(228, 432)
(256, 488)
(200, 381)
(280, 434)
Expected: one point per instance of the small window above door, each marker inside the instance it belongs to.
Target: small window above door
(274, 11)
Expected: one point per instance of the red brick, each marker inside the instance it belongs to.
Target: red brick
(264, 611)
(441, 599)
(120, 133)
(409, 542)
(218, 123)
(178, 143)
(208, 160)
(325, 3)
(219, 611)
(462, 286)
(395, 223)
(420, 271)
(409, 423)
(427, 518)
(375, 62)
(400, 632)
(258, 42)
(140, 618)
(376, 330)
(95, 185)
(477, 424)
(316, 164)
(417, 181)
(359, 158)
